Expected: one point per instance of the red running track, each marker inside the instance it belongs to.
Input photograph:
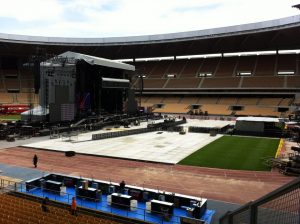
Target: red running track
(226, 185)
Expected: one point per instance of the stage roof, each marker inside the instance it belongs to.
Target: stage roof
(92, 60)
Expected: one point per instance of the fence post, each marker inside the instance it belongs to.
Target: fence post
(230, 219)
(253, 214)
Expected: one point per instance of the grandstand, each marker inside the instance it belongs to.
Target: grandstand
(264, 72)
(28, 210)
(247, 74)
(244, 70)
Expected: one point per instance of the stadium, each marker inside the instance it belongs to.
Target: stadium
(203, 126)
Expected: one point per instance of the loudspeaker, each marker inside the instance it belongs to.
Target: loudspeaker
(36, 73)
(70, 153)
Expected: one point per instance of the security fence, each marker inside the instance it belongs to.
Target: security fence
(278, 207)
(156, 127)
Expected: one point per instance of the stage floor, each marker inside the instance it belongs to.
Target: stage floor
(165, 147)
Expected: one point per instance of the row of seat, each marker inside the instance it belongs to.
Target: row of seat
(260, 101)
(19, 210)
(216, 109)
(22, 84)
(221, 82)
(262, 65)
(19, 98)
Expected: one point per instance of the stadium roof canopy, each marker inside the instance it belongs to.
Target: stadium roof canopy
(279, 34)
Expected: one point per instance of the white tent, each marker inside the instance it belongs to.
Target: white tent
(36, 114)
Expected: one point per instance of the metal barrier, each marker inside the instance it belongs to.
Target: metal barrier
(280, 206)
(85, 203)
(156, 127)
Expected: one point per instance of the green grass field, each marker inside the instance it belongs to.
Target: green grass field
(232, 152)
(10, 117)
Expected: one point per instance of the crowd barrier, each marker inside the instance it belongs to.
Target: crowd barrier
(155, 127)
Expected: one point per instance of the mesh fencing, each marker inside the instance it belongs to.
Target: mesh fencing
(284, 209)
(242, 217)
(281, 206)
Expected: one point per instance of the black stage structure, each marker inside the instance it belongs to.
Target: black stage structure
(78, 85)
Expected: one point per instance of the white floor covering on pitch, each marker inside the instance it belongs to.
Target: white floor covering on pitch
(167, 147)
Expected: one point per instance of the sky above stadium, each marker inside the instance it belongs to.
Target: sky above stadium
(110, 18)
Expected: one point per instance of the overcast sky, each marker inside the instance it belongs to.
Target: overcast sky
(108, 18)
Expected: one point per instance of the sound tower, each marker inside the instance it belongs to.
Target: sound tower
(36, 73)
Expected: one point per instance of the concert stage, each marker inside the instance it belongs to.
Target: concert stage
(164, 147)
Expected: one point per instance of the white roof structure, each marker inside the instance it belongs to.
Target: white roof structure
(259, 119)
(92, 60)
(38, 111)
(276, 24)
(115, 80)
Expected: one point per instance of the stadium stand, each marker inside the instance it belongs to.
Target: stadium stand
(198, 65)
(26, 74)
(216, 109)
(226, 66)
(263, 82)
(219, 105)
(177, 67)
(293, 81)
(189, 100)
(154, 83)
(155, 99)
(12, 84)
(27, 98)
(191, 67)
(297, 101)
(208, 100)
(232, 82)
(159, 69)
(174, 99)
(265, 65)
(286, 102)
(269, 101)
(287, 62)
(246, 64)
(173, 108)
(227, 100)
(210, 65)
(15, 209)
(10, 72)
(2, 85)
(258, 111)
(6, 97)
(247, 101)
(183, 83)
(26, 85)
